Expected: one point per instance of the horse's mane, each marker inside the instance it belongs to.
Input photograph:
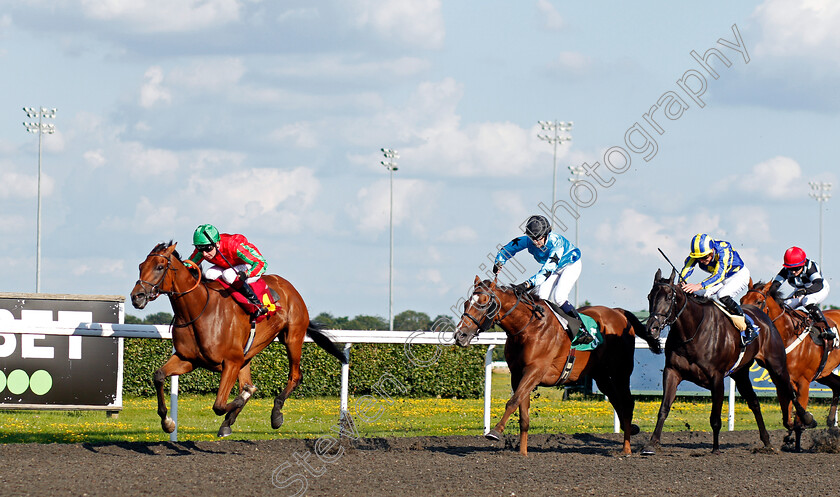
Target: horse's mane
(160, 247)
(775, 295)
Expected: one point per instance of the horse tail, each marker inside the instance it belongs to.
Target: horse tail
(316, 333)
(642, 332)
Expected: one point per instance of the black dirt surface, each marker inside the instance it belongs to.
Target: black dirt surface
(580, 464)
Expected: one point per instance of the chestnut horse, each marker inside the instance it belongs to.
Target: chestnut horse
(210, 330)
(703, 346)
(804, 357)
(538, 348)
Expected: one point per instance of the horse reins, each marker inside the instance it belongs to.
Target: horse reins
(155, 290)
(491, 319)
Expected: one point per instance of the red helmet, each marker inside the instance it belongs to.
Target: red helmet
(794, 257)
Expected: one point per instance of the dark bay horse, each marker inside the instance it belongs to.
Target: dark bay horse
(703, 346)
(804, 356)
(211, 330)
(538, 348)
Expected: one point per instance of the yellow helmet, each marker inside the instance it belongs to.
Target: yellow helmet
(701, 246)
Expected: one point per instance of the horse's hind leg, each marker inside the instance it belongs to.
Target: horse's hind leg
(174, 366)
(744, 384)
(832, 381)
(294, 351)
(622, 401)
(775, 363)
(246, 390)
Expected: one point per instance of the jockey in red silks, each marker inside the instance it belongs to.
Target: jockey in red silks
(233, 259)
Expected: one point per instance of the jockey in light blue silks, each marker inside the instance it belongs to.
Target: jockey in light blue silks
(560, 267)
(729, 276)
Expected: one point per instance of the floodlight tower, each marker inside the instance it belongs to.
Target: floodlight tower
(41, 128)
(553, 129)
(577, 174)
(391, 165)
(821, 192)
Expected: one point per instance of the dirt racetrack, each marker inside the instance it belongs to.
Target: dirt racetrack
(582, 464)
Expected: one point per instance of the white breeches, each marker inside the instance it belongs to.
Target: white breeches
(227, 274)
(731, 286)
(814, 298)
(556, 287)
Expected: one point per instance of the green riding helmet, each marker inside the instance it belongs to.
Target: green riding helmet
(206, 234)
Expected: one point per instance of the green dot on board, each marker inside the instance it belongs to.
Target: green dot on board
(40, 382)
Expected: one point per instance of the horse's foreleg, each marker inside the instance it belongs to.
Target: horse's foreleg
(524, 424)
(246, 390)
(175, 365)
(294, 350)
(714, 416)
(523, 389)
(670, 379)
(775, 363)
(230, 371)
(744, 384)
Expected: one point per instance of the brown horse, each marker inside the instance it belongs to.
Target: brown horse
(538, 350)
(703, 346)
(211, 331)
(804, 356)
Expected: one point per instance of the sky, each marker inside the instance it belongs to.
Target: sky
(266, 118)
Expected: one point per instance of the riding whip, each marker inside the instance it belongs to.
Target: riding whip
(672, 264)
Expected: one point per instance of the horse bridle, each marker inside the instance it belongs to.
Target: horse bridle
(154, 288)
(671, 305)
(491, 316)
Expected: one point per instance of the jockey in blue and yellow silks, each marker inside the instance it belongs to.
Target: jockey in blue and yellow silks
(560, 269)
(729, 276)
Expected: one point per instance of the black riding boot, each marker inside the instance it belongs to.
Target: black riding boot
(246, 290)
(751, 333)
(583, 336)
(818, 316)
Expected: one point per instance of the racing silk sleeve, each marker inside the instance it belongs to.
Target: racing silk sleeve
(239, 250)
(516, 245)
(196, 257)
(812, 273)
(688, 268)
(778, 280)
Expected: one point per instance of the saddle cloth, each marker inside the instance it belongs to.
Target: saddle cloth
(739, 321)
(266, 295)
(568, 322)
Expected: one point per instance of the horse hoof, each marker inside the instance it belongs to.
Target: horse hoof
(634, 430)
(276, 420)
(647, 450)
(493, 435)
(168, 425)
(808, 420)
(224, 431)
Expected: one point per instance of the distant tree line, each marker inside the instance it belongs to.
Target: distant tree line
(404, 321)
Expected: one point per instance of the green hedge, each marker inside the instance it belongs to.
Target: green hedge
(457, 372)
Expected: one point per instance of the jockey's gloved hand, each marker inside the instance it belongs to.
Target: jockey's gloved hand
(799, 292)
(522, 287)
(496, 268)
(242, 275)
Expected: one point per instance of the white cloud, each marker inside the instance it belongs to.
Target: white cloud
(153, 91)
(753, 224)
(372, 208)
(413, 22)
(300, 14)
(792, 29)
(299, 134)
(18, 186)
(96, 158)
(141, 162)
(574, 63)
(163, 16)
(549, 15)
(777, 178)
(211, 75)
(459, 235)
(346, 67)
